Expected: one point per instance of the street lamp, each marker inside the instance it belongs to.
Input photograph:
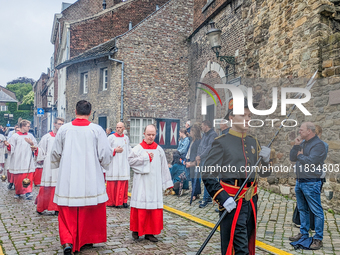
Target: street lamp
(9, 117)
(214, 37)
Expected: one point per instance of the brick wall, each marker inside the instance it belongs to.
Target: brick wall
(156, 57)
(99, 29)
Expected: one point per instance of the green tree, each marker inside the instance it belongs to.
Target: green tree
(29, 98)
(20, 89)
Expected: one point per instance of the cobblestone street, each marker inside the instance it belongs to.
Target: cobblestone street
(23, 231)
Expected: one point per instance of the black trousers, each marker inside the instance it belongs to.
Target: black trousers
(244, 227)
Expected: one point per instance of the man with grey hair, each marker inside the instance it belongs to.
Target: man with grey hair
(309, 154)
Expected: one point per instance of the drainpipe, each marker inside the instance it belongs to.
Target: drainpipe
(122, 87)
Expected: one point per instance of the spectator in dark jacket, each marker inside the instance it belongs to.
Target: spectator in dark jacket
(309, 156)
(208, 137)
(195, 135)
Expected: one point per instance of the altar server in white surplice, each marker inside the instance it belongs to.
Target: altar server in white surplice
(21, 164)
(80, 151)
(49, 176)
(118, 175)
(151, 178)
(2, 151)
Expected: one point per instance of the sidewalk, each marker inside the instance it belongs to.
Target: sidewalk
(274, 221)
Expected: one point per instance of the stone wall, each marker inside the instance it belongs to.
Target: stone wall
(105, 103)
(279, 42)
(229, 20)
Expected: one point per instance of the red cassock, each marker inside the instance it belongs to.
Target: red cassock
(17, 180)
(117, 192)
(146, 222)
(10, 177)
(44, 200)
(37, 176)
(82, 225)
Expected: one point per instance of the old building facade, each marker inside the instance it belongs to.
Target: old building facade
(86, 24)
(155, 75)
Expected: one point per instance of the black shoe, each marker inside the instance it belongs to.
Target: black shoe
(216, 210)
(204, 204)
(316, 245)
(10, 186)
(119, 206)
(151, 238)
(67, 248)
(39, 213)
(125, 205)
(56, 213)
(135, 235)
(296, 237)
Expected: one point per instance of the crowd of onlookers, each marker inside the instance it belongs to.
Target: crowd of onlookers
(193, 148)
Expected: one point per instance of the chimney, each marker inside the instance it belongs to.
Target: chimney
(104, 4)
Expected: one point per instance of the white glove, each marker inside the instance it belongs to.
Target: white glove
(229, 204)
(265, 153)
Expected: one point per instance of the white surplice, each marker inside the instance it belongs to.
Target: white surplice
(49, 176)
(119, 169)
(2, 149)
(21, 154)
(150, 178)
(80, 152)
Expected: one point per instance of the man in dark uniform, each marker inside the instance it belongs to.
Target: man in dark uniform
(235, 150)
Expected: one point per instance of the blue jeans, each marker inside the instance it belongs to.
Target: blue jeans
(308, 196)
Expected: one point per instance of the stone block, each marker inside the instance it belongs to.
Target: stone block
(327, 63)
(275, 189)
(300, 22)
(285, 190)
(334, 97)
(328, 72)
(334, 145)
(336, 62)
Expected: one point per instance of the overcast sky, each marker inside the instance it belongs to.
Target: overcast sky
(25, 32)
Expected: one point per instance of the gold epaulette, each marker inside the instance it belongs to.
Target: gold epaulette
(220, 136)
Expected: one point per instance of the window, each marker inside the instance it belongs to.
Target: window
(3, 108)
(102, 121)
(103, 78)
(84, 82)
(137, 129)
(167, 133)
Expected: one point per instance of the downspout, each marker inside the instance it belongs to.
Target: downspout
(122, 87)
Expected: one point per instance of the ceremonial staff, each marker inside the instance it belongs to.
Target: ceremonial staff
(310, 84)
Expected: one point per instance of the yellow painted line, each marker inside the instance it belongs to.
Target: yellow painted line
(270, 248)
(259, 244)
(1, 252)
(190, 217)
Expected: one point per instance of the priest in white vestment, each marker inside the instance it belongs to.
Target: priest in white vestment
(80, 151)
(49, 177)
(21, 164)
(151, 178)
(118, 175)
